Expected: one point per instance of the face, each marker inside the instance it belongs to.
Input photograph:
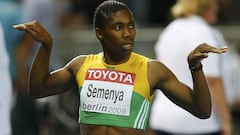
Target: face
(117, 36)
(211, 14)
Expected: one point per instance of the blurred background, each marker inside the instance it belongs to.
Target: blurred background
(70, 23)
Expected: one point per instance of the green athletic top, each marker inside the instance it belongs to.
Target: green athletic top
(114, 95)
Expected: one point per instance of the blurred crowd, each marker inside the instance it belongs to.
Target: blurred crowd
(58, 115)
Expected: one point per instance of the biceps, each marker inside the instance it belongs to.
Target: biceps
(61, 80)
(178, 92)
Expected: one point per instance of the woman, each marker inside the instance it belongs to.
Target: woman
(116, 85)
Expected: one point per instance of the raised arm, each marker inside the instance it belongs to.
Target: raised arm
(196, 101)
(41, 82)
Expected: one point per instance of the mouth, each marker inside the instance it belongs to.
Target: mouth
(128, 46)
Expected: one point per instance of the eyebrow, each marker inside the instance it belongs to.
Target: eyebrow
(121, 22)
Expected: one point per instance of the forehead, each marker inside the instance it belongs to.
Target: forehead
(121, 16)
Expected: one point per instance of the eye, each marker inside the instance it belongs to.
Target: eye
(132, 26)
(117, 27)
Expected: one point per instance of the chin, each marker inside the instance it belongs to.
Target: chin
(128, 50)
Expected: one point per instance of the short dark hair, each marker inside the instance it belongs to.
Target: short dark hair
(106, 10)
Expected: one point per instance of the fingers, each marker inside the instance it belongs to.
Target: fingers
(19, 27)
(219, 50)
(205, 48)
(202, 52)
(25, 26)
(36, 30)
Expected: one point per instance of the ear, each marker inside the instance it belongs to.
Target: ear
(99, 33)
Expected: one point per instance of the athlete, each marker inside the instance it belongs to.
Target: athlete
(116, 85)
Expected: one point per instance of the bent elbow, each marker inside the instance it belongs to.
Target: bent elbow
(204, 111)
(204, 115)
(33, 92)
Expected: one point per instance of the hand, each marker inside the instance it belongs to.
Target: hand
(37, 31)
(201, 52)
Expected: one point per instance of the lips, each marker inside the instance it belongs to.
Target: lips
(128, 46)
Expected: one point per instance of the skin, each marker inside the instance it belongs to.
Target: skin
(210, 14)
(117, 39)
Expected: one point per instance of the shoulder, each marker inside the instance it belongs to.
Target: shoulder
(154, 64)
(74, 65)
(159, 74)
(157, 70)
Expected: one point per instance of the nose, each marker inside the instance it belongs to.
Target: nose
(126, 32)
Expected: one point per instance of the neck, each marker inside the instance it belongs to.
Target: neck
(115, 60)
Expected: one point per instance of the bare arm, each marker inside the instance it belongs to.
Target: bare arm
(196, 101)
(22, 54)
(41, 82)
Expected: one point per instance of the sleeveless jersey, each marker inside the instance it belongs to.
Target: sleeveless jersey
(114, 95)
